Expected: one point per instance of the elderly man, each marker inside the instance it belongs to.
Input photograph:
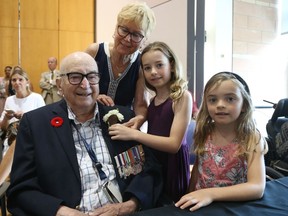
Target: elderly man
(47, 82)
(65, 162)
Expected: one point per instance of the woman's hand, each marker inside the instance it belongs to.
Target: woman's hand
(105, 100)
(9, 114)
(18, 114)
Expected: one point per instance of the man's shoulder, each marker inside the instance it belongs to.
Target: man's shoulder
(45, 73)
(50, 109)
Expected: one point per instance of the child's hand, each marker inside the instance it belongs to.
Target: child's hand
(132, 123)
(135, 122)
(196, 199)
(121, 132)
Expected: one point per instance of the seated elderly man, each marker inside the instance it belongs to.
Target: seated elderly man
(65, 162)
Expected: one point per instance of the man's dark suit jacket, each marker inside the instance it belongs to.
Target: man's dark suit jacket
(45, 172)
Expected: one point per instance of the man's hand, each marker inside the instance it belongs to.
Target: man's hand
(116, 209)
(65, 211)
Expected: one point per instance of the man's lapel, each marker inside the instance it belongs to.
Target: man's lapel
(64, 133)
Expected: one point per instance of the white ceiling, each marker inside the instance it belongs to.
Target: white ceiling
(155, 3)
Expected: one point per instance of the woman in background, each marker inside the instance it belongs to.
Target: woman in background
(23, 101)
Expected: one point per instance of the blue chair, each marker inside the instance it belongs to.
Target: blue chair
(190, 140)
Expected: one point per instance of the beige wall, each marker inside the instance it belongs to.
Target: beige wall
(259, 51)
(243, 37)
(8, 33)
(48, 28)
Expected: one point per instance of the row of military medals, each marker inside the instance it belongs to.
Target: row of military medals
(130, 161)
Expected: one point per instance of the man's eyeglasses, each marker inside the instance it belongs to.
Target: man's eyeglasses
(75, 78)
(135, 36)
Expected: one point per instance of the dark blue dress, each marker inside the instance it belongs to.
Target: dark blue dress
(176, 171)
(121, 90)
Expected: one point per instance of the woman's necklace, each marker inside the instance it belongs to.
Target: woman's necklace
(118, 67)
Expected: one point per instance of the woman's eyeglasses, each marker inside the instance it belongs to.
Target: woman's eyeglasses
(75, 78)
(135, 36)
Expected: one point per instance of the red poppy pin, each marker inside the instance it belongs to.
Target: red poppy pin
(56, 122)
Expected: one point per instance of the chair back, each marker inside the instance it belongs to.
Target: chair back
(6, 163)
(281, 110)
(5, 169)
(279, 117)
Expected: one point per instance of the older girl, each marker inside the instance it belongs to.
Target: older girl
(169, 114)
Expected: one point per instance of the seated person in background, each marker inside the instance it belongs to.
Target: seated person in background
(65, 161)
(8, 84)
(3, 81)
(16, 105)
(229, 148)
(9, 88)
(48, 82)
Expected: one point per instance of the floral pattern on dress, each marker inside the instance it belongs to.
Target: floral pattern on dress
(219, 166)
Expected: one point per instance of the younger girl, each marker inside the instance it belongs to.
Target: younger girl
(169, 114)
(230, 151)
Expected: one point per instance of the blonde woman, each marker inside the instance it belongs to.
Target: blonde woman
(121, 81)
(23, 101)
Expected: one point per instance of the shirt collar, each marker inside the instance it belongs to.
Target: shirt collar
(72, 116)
